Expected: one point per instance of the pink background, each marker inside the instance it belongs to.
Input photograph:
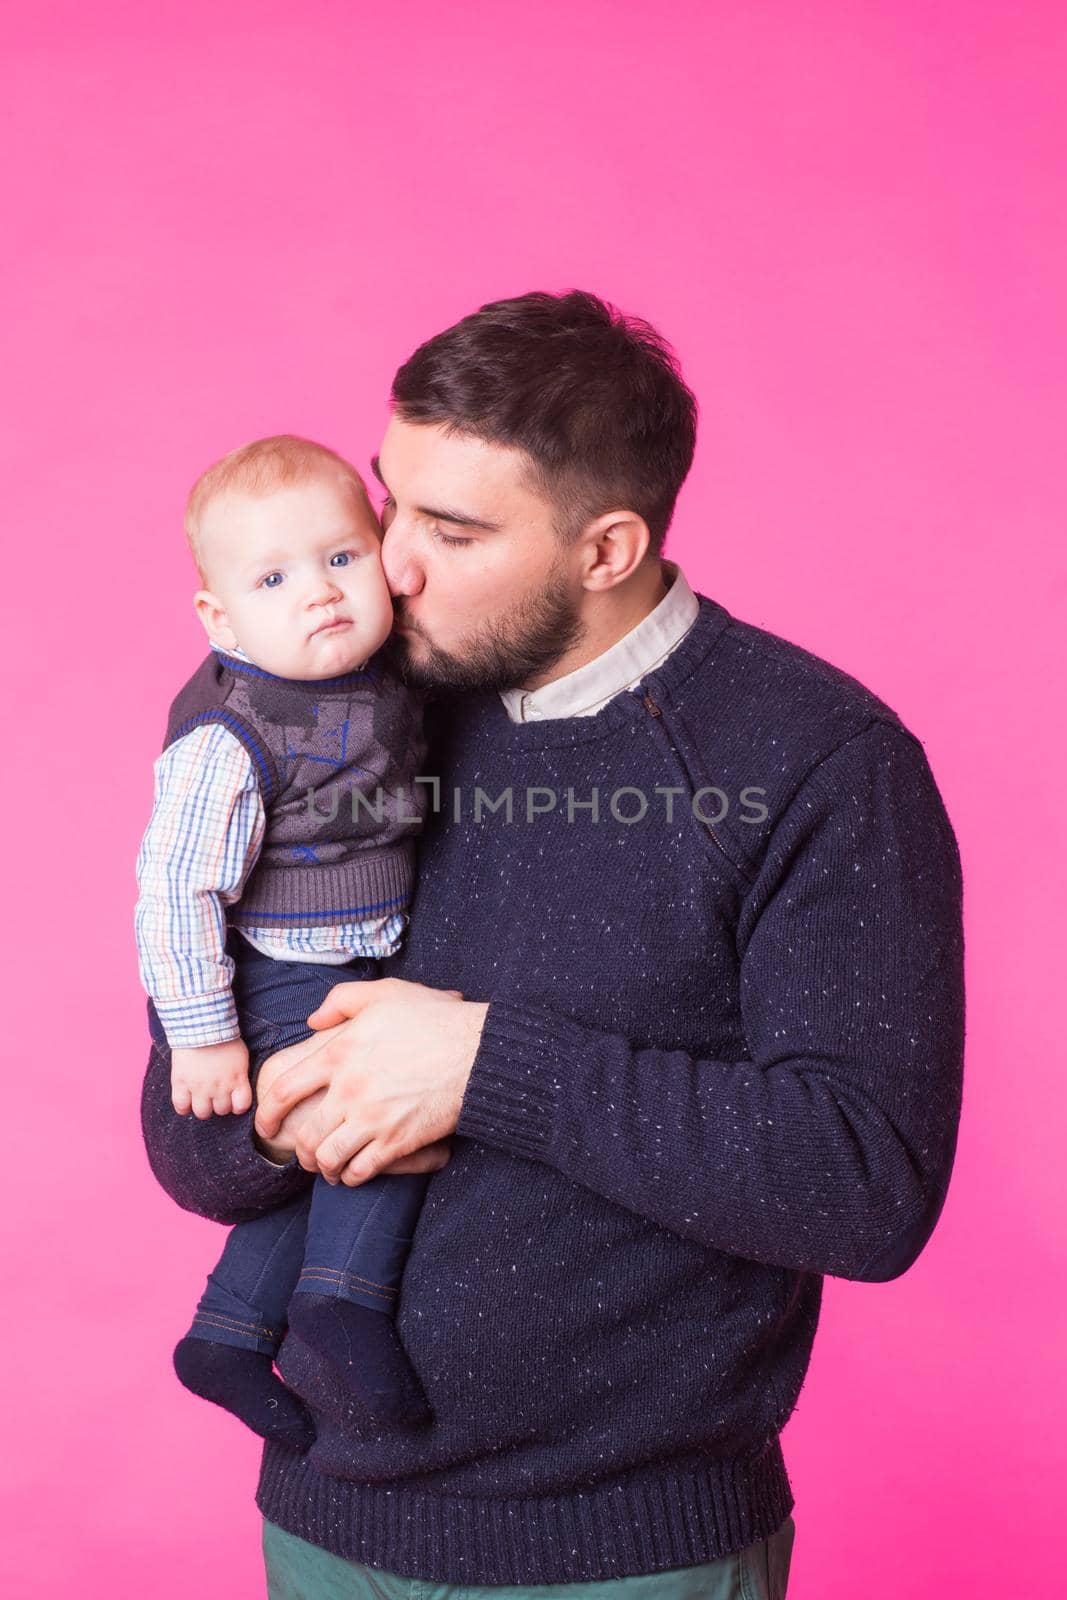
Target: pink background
(226, 220)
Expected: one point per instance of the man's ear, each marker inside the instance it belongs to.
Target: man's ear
(212, 614)
(614, 546)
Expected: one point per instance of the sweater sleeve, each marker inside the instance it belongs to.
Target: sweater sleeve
(830, 1150)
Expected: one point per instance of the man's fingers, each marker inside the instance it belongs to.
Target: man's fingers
(320, 1125)
(353, 1157)
(367, 1163)
(338, 1147)
(345, 1000)
(373, 1159)
(431, 1158)
(288, 1089)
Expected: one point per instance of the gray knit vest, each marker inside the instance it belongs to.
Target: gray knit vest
(335, 760)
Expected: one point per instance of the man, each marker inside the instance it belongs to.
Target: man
(678, 1026)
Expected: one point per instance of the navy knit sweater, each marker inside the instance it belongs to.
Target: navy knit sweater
(723, 1057)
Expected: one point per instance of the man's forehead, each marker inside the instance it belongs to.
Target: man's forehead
(431, 454)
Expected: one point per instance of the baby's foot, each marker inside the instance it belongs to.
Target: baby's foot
(244, 1382)
(362, 1344)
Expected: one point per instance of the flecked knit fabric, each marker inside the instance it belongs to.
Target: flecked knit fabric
(722, 1058)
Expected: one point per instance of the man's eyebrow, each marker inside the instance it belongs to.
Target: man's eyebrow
(459, 519)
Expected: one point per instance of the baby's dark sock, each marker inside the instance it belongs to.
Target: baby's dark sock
(362, 1344)
(244, 1382)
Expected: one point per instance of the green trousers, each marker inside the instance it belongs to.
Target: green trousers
(297, 1570)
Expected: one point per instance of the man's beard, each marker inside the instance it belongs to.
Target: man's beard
(504, 654)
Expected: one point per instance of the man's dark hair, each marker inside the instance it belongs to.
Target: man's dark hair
(593, 397)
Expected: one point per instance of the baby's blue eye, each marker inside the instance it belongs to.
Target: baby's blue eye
(342, 556)
(267, 583)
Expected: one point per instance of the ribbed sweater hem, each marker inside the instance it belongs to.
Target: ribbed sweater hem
(645, 1522)
(369, 883)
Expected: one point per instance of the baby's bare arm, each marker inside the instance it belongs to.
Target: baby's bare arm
(210, 1080)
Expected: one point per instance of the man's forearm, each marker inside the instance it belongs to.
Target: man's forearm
(782, 1164)
(831, 1149)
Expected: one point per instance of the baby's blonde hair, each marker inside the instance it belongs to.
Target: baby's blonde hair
(257, 469)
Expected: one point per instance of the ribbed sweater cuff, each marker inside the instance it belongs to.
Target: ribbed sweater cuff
(516, 1081)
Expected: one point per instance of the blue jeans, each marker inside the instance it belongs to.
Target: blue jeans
(336, 1240)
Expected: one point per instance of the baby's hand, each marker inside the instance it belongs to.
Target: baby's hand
(212, 1078)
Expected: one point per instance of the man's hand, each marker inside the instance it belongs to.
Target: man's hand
(431, 1158)
(393, 1061)
(283, 1145)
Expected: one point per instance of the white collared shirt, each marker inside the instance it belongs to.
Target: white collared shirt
(586, 690)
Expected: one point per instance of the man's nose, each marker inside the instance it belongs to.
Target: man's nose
(402, 572)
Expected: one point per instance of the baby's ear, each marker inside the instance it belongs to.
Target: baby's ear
(212, 614)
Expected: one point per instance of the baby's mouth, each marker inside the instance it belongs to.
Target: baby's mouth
(330, 627)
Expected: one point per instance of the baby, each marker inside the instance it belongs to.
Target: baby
(279, 861)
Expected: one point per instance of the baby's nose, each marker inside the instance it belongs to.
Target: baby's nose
(324, 588)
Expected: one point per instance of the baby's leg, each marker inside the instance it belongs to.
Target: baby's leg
(358, 1336)
(228, 1354)
(357, 1242)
